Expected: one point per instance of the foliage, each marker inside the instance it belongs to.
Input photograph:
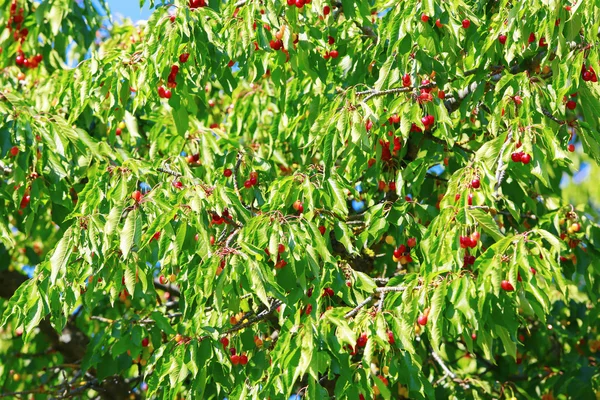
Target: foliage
(353, 199)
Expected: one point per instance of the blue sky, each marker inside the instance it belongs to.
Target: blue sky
(128, 8)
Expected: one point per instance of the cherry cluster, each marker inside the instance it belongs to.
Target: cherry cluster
(15, 23)
(193, 4)
(298, 3)
(252, 181)
(588, 74)
(224, 218)
(402, 253)
(280, 250)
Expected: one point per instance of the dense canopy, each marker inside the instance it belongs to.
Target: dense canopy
(326, 199)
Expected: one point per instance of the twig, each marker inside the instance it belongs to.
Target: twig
(231, 237)
(173, 291)
(394, 289)
(548, 114)
(447, 370)
(380, 302)
(236, 168)
(501, 171)
(356, 309)
(102, 319)
(260, 316)
(167, 170)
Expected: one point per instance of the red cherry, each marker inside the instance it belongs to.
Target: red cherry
(391, 339)
(14, 151)
(231, 63)
(137, 196)
(441, 94)
(145, 342)
(25, 201)
(422, 320)
(507, 286)
(232, 350)
(411, 242)
(466, 23)
(424, 17)
(516, 156)
(322, 229)
(299, 3)
(243, 359)
(542, 42)
(235, 359)
(224, 341)
(184, 57)
(334, 53)
(571, 105)
(476, 236)
(248, 184)
(362, 340)
(162, 280)
(161, 92)
(326, 10)
(156, 235)
(531, 38)
(118, 132)
(308, 309)
(502, 39)
(178, 184)
(571, 147)
(20, 59)
(438, 23)
(227, 173)
(470, 199)
(281, 249)
(298, 206)
(475, 183)
(330, 39)
(525, 158)
(167, 94)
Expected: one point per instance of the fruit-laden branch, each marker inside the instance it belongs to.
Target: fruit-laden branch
(381, 291)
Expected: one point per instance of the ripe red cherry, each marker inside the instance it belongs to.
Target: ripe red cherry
(145, 342)
(502, 39)
(438, 23)
(470, 199)
(587, 76)
(20, 59)
(161, 92)
(571, 105)
(243, 359)
(118, 132)
(178, 184)
(531, 38)
(466, 23)
(411, 242)
(516, 156)
(507, 286)
(162, 279)
(235, 359)
(25, 201)
(391, 339)
(322, 229)
(224, 341)
(184, 57)
(281, 248)
(424, 18)
(299, 3)
(330, 39)
(334, 54)
(14, 151)
(326, 10)
(362, 340)
(248, 184)
(137, 196)
(571, 147)
(525, 158)
(422, 320)
(441, 95)
(227, 173)
(475, 183)
(156, 235)
(394, 119)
